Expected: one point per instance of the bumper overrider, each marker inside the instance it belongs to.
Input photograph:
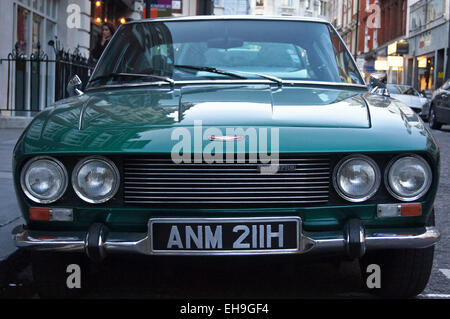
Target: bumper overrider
(353, 241)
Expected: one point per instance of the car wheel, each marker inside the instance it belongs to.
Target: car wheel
(404, 272)
(51, 274)
(434, 124)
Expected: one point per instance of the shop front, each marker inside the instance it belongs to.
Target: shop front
(390, 61)
(425, 72)
(429, 45)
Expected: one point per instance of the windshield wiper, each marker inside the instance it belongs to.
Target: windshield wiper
(134, 75)
(230, 72)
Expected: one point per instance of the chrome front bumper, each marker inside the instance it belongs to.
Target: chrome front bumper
(311, 242)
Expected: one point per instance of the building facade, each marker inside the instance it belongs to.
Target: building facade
(369, 27)
(32, 32)
(345, 16)
(44, 42)
(428, 34)
(305, 8)
(388, 37)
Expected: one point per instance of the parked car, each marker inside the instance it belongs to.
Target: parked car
(230, 136)
(439, 107)
(408, 95)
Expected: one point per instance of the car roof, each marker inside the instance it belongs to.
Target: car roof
(233, 17)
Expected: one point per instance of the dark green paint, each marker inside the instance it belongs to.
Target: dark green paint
(311, 119)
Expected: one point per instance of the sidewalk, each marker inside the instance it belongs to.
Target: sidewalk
(14, 122)
(10, 215)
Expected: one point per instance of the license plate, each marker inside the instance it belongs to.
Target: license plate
(216, 236)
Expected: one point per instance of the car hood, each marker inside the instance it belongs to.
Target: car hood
(256, 105)
(309, 119)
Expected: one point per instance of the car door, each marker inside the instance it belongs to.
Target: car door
(443, 104)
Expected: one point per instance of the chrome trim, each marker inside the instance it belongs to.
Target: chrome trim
(382, 239)
(210, 82)
(75, 175)
(230, 17)
(388, 184)
(149, 180)
(377, 178)
(362, 240)
(28, 193)
(101, 243)
(310, 242)
(350, 54)
(82, 112)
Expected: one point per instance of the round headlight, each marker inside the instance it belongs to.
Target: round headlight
(356, 178)
(95, 179)
(44, 179)
(408, 178)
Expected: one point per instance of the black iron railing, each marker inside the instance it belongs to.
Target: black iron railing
(35, 81)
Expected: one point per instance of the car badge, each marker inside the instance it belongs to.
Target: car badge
(280, 168)
(225, 138)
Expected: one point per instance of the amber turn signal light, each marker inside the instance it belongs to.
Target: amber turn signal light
(40, 214)
(411, 209)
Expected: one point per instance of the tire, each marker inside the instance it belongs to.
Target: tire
(404, 272)
(50, 274)
(432, 119)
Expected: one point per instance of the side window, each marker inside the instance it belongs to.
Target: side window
(347, 69)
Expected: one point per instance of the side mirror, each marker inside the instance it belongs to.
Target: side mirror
(380, 91)
(377, 80)
(385, 92)
(74, 86)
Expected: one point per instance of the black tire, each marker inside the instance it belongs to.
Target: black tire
(432, 119)
(50, 274)
(404, 272)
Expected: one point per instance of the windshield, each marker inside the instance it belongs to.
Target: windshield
(287, 50)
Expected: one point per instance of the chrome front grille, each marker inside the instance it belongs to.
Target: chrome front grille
(157, 181)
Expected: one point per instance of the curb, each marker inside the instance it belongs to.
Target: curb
(17, 122)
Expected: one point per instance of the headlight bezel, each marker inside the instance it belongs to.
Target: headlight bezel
(374, 189)
(86, 160)
(387, 180)
(29, 194)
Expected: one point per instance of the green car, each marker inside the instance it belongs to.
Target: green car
(228, 136)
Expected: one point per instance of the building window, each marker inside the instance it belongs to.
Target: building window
(32, 18)
(425, 12)
(22, 30)
(37, 33)
(322, 8)
(260, 3)
(435, 10)
(35, 26)
(286, 3)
